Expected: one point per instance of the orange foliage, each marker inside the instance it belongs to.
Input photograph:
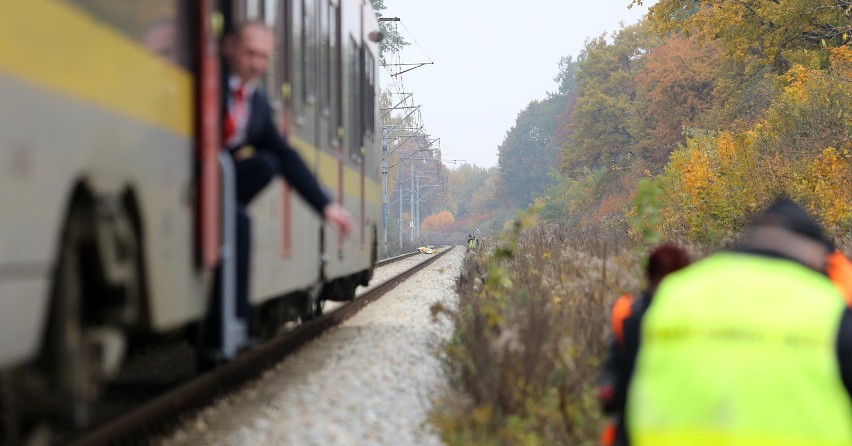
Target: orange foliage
(437, 222)
(676, 84)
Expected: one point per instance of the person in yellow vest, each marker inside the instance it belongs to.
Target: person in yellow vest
(626, 312)
(751, 346)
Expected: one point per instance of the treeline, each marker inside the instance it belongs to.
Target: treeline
(717, 105)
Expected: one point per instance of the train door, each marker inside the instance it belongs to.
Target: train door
(371, 203)
(285, 231)
(341, 264)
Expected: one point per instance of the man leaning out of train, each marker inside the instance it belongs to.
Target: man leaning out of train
(259, 149)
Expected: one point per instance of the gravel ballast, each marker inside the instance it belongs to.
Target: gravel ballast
(370, 381)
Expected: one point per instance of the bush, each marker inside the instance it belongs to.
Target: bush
(530, 332)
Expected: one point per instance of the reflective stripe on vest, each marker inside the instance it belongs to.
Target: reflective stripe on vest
(740, 350)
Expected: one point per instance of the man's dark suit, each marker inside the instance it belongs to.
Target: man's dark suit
(272, 155)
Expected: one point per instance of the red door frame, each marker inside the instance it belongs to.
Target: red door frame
(209, 136)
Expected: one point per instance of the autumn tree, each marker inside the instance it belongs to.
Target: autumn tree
(605, 118)
(675, 88)
(486, 198)
(811, 113)
(774, 33)
(437, 222)
(713, 185)
(464, 182)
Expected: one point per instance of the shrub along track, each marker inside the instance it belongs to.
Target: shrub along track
(162, 413)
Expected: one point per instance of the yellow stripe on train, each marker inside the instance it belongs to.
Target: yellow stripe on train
(58, 47)
(327, 171)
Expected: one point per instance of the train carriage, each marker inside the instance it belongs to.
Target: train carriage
(111, 188)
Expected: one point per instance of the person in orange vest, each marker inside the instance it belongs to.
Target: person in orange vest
(617, 368)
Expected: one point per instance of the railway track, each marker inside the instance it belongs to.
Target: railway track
(161, 414)
(391, 260)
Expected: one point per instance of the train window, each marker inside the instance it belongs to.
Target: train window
(252, 9)
(335, 74)
(270, 17)
(295, 42)
(309, 44)
(325, 58)
(158, 25)
(313, 50)
(362, 99)
(369, 95)
(355, 125)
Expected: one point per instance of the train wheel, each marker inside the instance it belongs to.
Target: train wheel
(312, 304)
(125, 256)
(72, 352)
(9, 423)
(347, 288)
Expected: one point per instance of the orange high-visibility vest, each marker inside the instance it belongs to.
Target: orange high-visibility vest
(839, 270)
(621, 310)
(608, 434)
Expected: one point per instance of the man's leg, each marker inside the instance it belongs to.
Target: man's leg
(253, 174)
(243, 262)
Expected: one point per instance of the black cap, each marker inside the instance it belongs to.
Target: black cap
(786, 214)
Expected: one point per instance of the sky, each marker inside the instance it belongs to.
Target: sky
(491, 58)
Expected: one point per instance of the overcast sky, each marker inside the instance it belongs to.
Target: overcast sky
(491, 58)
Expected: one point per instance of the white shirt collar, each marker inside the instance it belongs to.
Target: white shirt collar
(234, 82)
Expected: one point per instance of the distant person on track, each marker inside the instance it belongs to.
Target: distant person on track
(751, 346)
(471, 243)
(259, 149)
(627, 312)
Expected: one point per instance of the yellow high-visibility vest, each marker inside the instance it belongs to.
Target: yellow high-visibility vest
(740, 350)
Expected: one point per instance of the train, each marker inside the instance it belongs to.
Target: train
(115, 189)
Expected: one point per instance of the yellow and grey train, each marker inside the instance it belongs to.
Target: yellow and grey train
(113, 181)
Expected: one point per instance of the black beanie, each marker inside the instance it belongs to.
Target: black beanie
(784, 213)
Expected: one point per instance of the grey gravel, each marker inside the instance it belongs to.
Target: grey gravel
(370, 381)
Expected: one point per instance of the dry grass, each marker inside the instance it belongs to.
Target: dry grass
(531, 329)
(530, 333)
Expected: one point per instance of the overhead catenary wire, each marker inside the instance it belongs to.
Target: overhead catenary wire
(419, 171)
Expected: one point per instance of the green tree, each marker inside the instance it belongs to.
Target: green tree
(392, 41)
(606, 115)
(528, 154)
(464, 183)
(566, 79)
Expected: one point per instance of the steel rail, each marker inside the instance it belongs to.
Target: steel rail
(389, 260)
(164, 413)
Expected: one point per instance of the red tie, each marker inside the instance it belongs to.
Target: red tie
(235, 112)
